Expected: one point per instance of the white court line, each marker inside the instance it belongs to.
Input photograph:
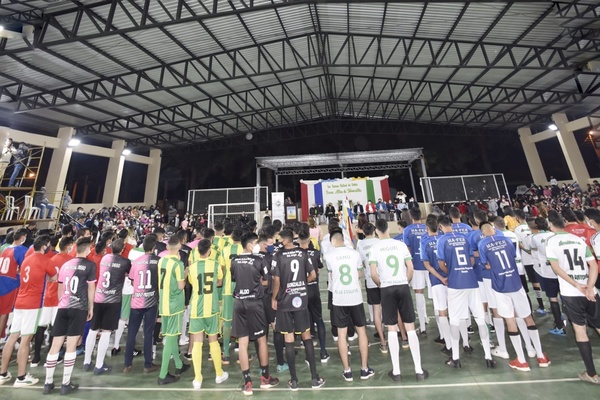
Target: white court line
(325, 388)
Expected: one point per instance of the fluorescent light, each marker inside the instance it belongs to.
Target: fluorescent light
(74, 142)
(126, 152)
(553, 127)
(1, 28)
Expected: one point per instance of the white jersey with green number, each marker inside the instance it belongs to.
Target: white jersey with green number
(522, 231)
(343, 264)
(516, 242)
(572, 254)
(538, 245)
(363, 247)
(390, 255)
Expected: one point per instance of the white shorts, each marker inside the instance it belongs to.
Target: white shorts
(489, 292)
(482, 292)
(512, 304)
(460, 301)
(48, 316)
(440, 297)
(25, 322)
(420, 280)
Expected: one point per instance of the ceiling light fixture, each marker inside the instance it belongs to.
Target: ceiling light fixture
(74, 142)
(553, 127)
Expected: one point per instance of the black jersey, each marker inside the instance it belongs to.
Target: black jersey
(315, 259)
(267, 262)
(248, 271)
(292, 266)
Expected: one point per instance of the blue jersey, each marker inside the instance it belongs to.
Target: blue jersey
(475, 237)
(463, 229)
(412, 238)
(454, 250)
(399, 237)
(499, 252)
(428, 249)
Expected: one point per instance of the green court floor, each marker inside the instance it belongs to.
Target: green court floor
(473, 381)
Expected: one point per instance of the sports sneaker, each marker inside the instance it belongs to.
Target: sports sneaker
(268, 383)
(347, 376)
(541, 311)
(184, 367)
(439, 340)
(557, 331)
(187, 357)
(48, 388)
(68, 388)
(490, 363)
(87, 367)
(282, 368)
(423, 376)
(226, 361)
(405, 344)
(531, 353)
(317, 383)
(324, 358)
(446, 351)
(167, 379)
(502, 354)
(27, 381)
(468, 350)
(590, 379)
(383, 348)
(222, 378)
(453, 363)
(335, 338)
(151, 369)
(136, 352)
(353, 337)
(492, 328)
(247, 389)
(366, 373)
(543, 361)
(102, 370)
(293, 385)
(395, 378)
(183, 341)
(370, 323)
(4, 379)
(197, 385)
(35, 363)
(519, 366)
(423, 333)
(115, 351)
(470, 330)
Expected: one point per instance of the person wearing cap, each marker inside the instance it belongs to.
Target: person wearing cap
(41, 201)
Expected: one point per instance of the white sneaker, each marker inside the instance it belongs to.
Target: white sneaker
(27, 381)
(184, 340)
(4, 379)
(197, 385)
(531, 353)
(502, 354)
(222, 378)
(353, 338)
(335, 338)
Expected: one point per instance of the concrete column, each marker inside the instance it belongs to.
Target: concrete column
(533, 158)
(152, 177)
(112, 185)
(570, 149)
(59, 164)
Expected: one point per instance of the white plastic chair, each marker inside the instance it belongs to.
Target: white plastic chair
(34, 212)
(10, 208)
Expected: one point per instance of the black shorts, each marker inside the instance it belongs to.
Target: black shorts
(188, 293)
(106, 316)
(581, 311)
(329, 299)
(268, 306)
(524, 283)
(249, 319)
(345, 316)
(69, 322)
(531, 275)
(373, 296)
(396, 299)
(292, 321)
(550, 286)
(315, 309)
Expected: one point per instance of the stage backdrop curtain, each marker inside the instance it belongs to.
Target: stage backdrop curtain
(324, 191)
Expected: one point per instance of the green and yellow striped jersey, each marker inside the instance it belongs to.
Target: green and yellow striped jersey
(203, 276)
(171, 298)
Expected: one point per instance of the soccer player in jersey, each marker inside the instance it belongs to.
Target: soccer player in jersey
(412, 238)
(453, 254)
(592, 216)
(171, 305)
(28, 307)
(107, 306)
(457, 225)
(314, 295)
(498, 254)
(205, 275)
(344, 265)
(231, 247)
(249, 272)
(391, 269)
(577, 272)
(373, 292)
(11, 259)
(144, 303)
(77, 285)
(291, 269)
(438, 279)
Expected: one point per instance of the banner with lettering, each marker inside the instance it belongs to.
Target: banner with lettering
(335, 191)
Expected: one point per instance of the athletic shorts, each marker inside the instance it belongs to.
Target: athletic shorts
(329, 299)
(373, 296)
(524, 283)
(69, 322)
(489, 293)
(460, 301)
(171, 324)
(48, 316)
(315, 309)
(482, 292)
(440, 297)
(7, 302)
(227, 308)
(126, 307)
(268, 306)
(345, 316)
(581, 311)
(25, 322)
(396, 299)
(106, 316)
(550, 286)
(292, 321)
(420, 280)
(208, 325)
(510, 305)
(248, 319)
(531, 275)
